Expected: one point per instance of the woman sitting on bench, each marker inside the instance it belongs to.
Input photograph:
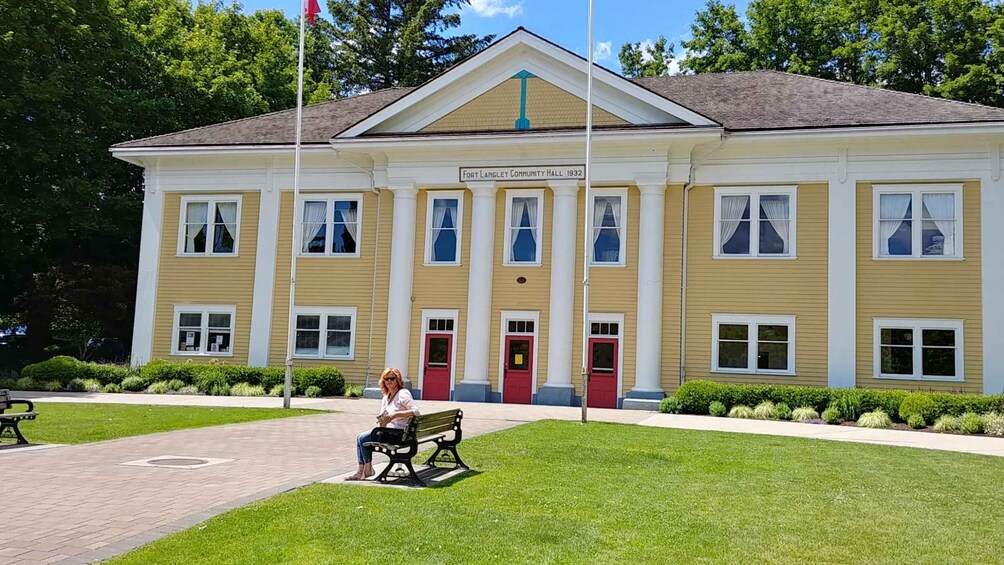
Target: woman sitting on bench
(395, 409)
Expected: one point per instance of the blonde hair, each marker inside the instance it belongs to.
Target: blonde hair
(396, 374)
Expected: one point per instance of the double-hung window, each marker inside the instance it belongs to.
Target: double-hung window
(524, 214)
(325, 333)
(209, 225)
(444, 227)
(330, 225)
(755, 222)
(609, 233)
(918, 349)
(203, 330)
(758, 344)
(918, 221)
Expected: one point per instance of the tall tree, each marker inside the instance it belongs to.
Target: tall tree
(719, 43)
(648, 59)
(385, 43)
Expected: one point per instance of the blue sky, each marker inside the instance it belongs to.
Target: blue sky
(564, 21)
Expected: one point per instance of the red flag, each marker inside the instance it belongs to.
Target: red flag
(313, 8)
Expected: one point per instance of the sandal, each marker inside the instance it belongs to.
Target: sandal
(357, 476)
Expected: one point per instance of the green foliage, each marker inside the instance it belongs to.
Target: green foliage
(876, 419)
(63, 369)
(107, 373)
(26, 383)
(245, 389)
(948, 423)
(669, 405)
(92, 385)
(972, 423)
(695, 397)
(76, 385)
(783, 411)
(314, 391)
(717, 409)
(174, 385)
(916, 421)
(831, 416)
(741, 412)
(993, 424)
(719, 41)
(277, 390)
(218, 389)
(188, 389)
(54, 386)
(112, 388)
(646, 59)
(765, 411)
(804, 414)
(222, 377)
(159, 387)
(918, 404)
(850, 402)
(133, 384)
(7, 383)
(328, 379)
(352, 391)
(163, 370)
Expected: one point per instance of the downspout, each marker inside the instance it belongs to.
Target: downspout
(683, 254)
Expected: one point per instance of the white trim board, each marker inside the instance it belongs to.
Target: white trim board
(324, 313)
(516, 316)
(429, 314)
(917, 326)
(600, 317)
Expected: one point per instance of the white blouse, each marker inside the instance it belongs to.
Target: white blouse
(402, 402)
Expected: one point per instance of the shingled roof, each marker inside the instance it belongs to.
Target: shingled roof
(745, 101)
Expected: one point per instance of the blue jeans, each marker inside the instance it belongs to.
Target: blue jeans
(364, 454)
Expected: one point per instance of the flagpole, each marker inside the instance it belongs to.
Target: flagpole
(287, 392)
(588, 228)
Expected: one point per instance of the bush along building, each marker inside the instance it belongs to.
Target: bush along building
(753, 227)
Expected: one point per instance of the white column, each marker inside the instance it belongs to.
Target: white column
(475, 385)
(842, 281)
(992, 210)
(264, 272)
(402, 267)
(651, 242)
(149, 262)
(558, 389)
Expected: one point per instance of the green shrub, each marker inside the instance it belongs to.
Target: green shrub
(887, 401)
(62, 368)
(76, 385)
(272, 376)
(133, 384)
(804, 414)
(696, 396)
(112, 388)
(174, 385)
(107, 373)
(159, 387)
(783, 411)
(850, 402)
(218, 389)
(188, 389)
(328, 379)
(717, 409)
(831, 416)
(26, 383)
(993, 424)
(7, 383)
(314, 391)
(92, 385)
(919, 404)
(54, 386)
(741, 412)
(916, 421)
(277, 390)
(948, 423)
(876, 419)
(163, 370)
(669, 405)
(245, 389)
(972, 423)
(353, 391)
(765, 411)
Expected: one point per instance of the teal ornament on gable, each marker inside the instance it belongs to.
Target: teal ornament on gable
(523, 122)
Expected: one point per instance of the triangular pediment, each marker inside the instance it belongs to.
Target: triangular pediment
(523, 82)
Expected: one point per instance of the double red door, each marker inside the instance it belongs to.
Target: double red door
(438, 366)
(517, 370)
(603, 361)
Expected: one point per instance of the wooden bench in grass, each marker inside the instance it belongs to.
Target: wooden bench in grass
(9, 422)
(441, 428)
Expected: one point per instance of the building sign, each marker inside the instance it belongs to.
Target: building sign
(509, 174)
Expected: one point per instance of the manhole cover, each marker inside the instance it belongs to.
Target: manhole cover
(179, 462)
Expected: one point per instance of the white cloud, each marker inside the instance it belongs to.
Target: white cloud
(646, 47)
(492, 8)
(603, 50)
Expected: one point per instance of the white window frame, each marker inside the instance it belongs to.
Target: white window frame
(205, 310)
(431, 197)
(212, 201)
(329, 220)
(752, 321)
(434, 314)
(916, 192)
(622, 254)
(324, 313)
(755, 192)
(917, 325)
(512, 194)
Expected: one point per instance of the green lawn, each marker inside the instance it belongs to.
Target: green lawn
(558, 492)
(81, 423)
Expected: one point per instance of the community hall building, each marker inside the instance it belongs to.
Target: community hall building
(756, 227)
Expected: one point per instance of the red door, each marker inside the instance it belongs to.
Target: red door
(438, 360)
(602, 372)
(517, 368)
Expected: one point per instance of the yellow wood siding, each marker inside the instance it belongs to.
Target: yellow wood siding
(439, 287)
(206, 280)
(671, 275)
(507, 294)
(794, 287)
(328, 282)
(942, 289)
(547, 106)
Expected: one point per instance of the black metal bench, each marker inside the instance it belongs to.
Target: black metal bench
(441, 428)
(9, 422)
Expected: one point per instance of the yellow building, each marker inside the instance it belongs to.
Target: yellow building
(749, 227)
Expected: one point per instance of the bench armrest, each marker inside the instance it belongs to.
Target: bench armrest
(28, 403)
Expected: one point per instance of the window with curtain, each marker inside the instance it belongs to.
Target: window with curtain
(325, 333)
(754, 223)
(203, 330)
(918, 349)
(918, 222)
(753, 344)
(330, 226)
(608, 229)
(444, 231)
(210, 226)
(523, 238)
